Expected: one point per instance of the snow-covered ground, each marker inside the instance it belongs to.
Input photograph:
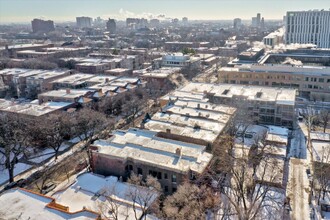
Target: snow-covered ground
(298, 145)
(19, 168)
(298, 189)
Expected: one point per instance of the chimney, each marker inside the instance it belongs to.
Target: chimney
(68, 91)
(6, 47)
(106, 80)
(168, 130)
(178, 152)
(198, 106)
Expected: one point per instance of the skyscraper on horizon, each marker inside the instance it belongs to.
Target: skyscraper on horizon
(39, 25)
(111, 26)
(84, 22)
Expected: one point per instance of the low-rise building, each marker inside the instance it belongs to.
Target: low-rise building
(31, 205)
(33, 110)
(145, 153)
(310, 81)
(195, 121)
(42, 82)
(94, 191)
(265, 105)
(177, 60)
(75, 81)
(80, 96)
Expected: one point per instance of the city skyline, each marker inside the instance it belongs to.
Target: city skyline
(18, 11)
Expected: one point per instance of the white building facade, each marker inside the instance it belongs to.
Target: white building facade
(308, 27)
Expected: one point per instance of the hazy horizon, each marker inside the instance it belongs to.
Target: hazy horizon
(23, 11)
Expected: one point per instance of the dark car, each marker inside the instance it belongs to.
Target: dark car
(21, 183)
(48, 187)
(10, 185)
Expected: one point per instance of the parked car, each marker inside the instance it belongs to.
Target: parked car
(10, 185)
(48, 187)
(21, 183)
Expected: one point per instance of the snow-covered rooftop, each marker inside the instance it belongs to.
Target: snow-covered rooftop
(92, 191)
(22, 204)
(144, 146)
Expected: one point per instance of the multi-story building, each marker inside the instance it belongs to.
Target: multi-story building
(308, 27)
(310, 81)
(177, 60)
(75, 81)
(84, 22)
(145, 153)
(265, 105)
(194, 121)
(39, 25)
(42, 82)
(111, 26)
(237, 23)
(81, 96)
(274, 38)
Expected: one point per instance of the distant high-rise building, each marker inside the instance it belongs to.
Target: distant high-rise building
(308, 27)
(254, 22)
(262, 23)
(111, 26)
(39, 25)
(184, 19)
(237, 23)
(258, 19)
(175, 20)
(154, 22)
(84, 22)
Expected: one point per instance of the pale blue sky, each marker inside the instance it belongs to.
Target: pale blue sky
(67, 10)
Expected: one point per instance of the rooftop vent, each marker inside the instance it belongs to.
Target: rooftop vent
(225, 92)
(259, 94)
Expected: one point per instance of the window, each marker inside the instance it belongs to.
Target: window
(165, 175)
(174, 189)
(140, 171)
(159, 175)
(173, 178)
(166, 189)
(321, 80)
(306, 78)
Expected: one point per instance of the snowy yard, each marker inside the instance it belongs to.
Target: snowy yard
(19, 168)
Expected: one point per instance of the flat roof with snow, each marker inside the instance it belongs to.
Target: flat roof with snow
(256, 93)
(23, 204)
(144, 146)
(92, 190)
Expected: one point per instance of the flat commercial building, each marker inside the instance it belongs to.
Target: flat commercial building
(311, 81)
(308, 27)
(266, 105)
(145, 153)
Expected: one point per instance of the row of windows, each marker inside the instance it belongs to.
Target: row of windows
(153, 173)
(314, 79)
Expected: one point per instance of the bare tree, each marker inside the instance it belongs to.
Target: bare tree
(54, 130)
(14, 139)
(245, 180)
(324, 118)
(190, 202)
(134, 104)
(89, 123)
(321, 172)
(144, 194)
(111, 208)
